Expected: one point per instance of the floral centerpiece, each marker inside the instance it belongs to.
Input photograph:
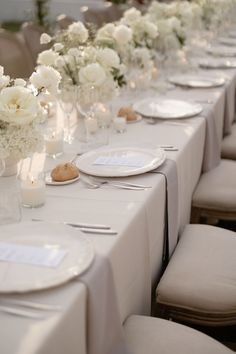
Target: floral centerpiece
(133, 38)
(20, 113)
(171, 31)
(82, 63)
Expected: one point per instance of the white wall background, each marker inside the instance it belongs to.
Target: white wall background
(22, 9)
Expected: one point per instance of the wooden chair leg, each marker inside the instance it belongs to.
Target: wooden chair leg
(195, 216)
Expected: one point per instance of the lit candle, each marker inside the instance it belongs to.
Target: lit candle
(91, 125)
(54, 143)
(33, 192)
(119, 124)
(103, 115)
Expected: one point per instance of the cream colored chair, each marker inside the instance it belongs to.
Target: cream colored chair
(199, 283)
(14, 56)
(215, 194)
(32, 33)
(63, 21)
(148, 335)
(228, 147)
(101, 14)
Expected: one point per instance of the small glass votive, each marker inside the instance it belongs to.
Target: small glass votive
(91, 125)
(33, 192)
(53, 143)
(10, 207)
(119, 124)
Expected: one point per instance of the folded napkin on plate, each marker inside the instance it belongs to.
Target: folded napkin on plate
(104, 327)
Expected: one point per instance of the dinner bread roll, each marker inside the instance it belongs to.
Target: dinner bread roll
(128, 113)
(64, 172)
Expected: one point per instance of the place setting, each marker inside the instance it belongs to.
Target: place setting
(167, 109)
(41, 255)
(196, 81)
(221, 51)
(217, 63)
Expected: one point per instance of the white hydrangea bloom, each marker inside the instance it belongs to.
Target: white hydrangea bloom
(47, 57)
(45, 38)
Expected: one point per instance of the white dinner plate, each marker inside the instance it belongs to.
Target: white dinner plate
(196, 81)
(227, 41)
(166, 108)
(49, 181)
(20, 277)
(120, 161)
(218, 63)
(221, 51)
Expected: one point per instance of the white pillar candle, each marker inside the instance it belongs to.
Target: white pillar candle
(91, 125)
(103, 115)
(54, 143)
(33, 192)
(119, 124)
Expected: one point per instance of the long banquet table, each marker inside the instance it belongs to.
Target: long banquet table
(135, 254)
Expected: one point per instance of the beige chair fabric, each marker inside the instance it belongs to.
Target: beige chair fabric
(32, 33)
(63, 21)
(14, 56)
(228, 148)
(147, 335)
(99, 15)
(199, 284)
(215, 194)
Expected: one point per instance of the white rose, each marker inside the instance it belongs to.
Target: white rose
(151, 30)
(18, 105)
(74, 52)
(78, 29)
(60, 62)
(20, 82)
(122, 34)
(105, 31)
(4, 81)
(58, 47)
(108, 57)
(132, 15)
(92, 74)
(46, 78)
(45, 38)
(47, 57)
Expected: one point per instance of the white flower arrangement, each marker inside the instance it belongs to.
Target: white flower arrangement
(172, 33)
(133, 38)
(20, 114)
(82, 63)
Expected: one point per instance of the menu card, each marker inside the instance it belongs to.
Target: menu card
(36, 256)
(117, 160)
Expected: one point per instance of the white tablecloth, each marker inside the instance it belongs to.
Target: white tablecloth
(135, 254)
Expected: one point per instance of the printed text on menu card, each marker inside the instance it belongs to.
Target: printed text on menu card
(36, 256)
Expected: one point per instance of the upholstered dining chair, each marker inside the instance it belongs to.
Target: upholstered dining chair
(32, 33)
(228, 147)
(158, 336)
(215, 194)
(199, 283)
(100, 14)
(63, 21)
(14, 56)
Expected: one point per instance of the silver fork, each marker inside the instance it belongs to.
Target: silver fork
(118, 184)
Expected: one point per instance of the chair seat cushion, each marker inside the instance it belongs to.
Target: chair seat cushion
(157, 336)
(228, 147)
(216, 189)
(199, 284)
